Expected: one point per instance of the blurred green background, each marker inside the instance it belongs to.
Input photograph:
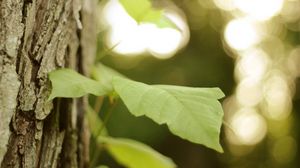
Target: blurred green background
(248, 48)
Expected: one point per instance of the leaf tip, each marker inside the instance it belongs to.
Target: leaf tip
(220, 93)
(51, 97)
(219, 149)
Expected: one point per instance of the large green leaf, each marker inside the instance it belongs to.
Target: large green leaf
(142, 11)
(68, 83)
(194, 114)
(133, 154)
(104, 75)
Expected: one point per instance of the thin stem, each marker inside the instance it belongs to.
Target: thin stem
(98, 104)
(106, 51)
(107, 116)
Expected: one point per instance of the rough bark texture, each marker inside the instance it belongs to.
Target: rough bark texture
(37, 37)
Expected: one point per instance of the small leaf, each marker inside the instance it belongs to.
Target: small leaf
(95, 123)
(133, 154)
(194, 114)
(142, 11)
(137, 8)
(68, 83)
(152, 16)
(165, 22)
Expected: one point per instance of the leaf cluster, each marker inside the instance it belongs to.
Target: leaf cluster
(194, 114)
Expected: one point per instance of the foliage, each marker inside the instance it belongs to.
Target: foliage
(194, 114)
(191, 113)
(134, 154)
(69, 83)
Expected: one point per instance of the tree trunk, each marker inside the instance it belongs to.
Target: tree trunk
(37, 37)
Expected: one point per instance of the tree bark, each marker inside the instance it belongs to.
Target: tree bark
(37, 37)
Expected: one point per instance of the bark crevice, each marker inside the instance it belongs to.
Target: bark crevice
(37, 37)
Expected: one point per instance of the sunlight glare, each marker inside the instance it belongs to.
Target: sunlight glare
(227, 5)
(249, 92)
(241, 34)
(260, 9)
(278, 98)
(249, 127)
(167, 44)
(252, 64)
(131, 38)
(124, 31)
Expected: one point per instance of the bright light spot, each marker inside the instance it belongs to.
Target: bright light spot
(285, 149)
(249, 128)
(260, 9)
(252, 64)
(162, 43)
(241, 34)
(225, 4)
(131, 38)
(249, 92)
(124, 30)
(115, 15)
(125, 40)
(278, 98)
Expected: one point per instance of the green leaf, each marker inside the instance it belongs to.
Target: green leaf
(133, 154)
(95, 123)
(194, 114)
(137, 8)
(104, 75)
(68, 83)
(165, 22)
(142, 11)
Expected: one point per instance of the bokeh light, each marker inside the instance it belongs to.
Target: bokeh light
(241, 34)
(248, 126)
(252, 64)
(129, 38)
(262, 39)
(278, 97)
(260, 9)
(249, 92)
(225, 4)
(266, 68)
